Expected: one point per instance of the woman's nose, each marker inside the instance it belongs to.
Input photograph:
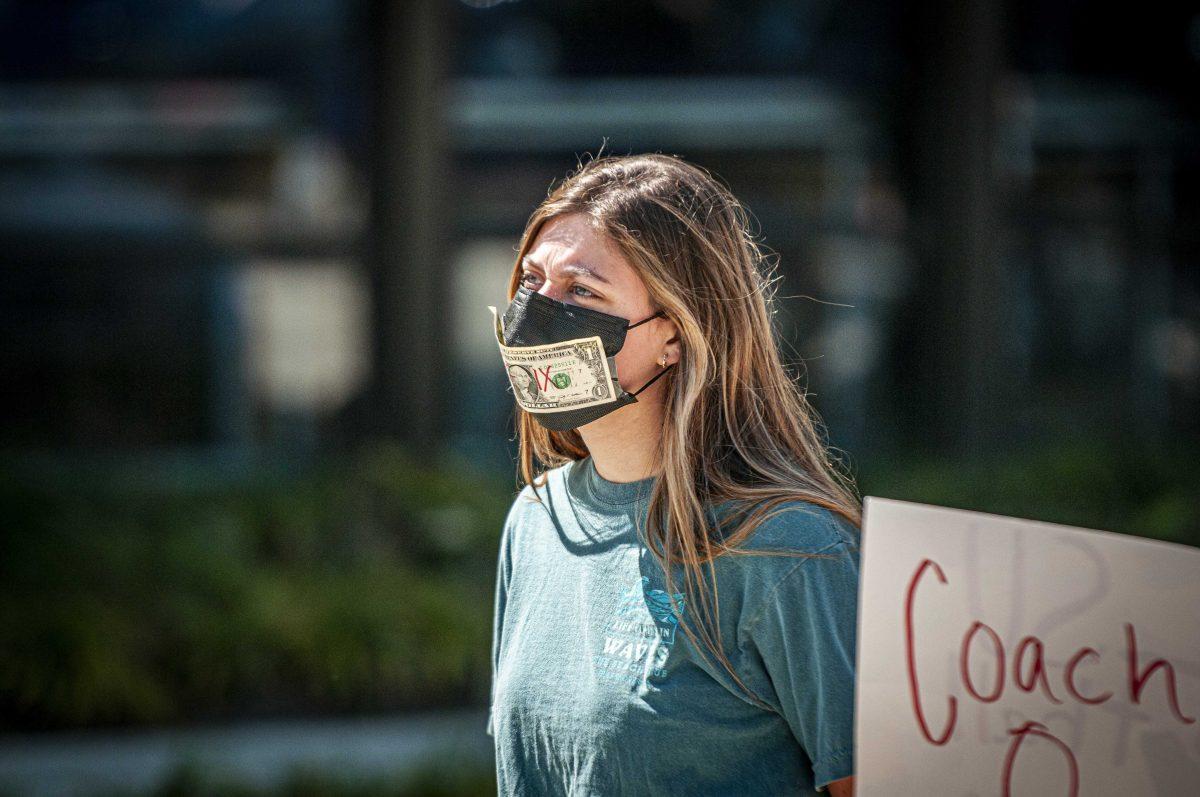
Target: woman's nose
(552, 291)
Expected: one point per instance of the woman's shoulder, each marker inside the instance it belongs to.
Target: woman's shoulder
(794, 525)
(536, 496)
(801, 544)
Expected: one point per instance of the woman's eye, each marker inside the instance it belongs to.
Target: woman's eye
(529, 278)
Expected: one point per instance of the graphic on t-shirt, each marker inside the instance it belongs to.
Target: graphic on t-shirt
(638, 640)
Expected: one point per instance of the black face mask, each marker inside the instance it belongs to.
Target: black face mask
(560, 359)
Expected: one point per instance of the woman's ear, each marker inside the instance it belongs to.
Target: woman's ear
(672, 347)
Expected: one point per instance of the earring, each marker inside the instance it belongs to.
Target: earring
(662, 361)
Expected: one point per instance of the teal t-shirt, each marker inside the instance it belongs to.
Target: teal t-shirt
(596, 690)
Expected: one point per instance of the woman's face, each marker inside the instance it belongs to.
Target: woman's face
(571, 262)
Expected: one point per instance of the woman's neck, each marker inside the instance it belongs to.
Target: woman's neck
(624, 444)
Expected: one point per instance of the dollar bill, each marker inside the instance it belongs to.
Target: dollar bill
(571, 374)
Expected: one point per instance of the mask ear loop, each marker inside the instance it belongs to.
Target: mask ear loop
(651, 382)
(644, 320)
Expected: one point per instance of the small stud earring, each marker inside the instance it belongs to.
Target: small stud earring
(663, 361)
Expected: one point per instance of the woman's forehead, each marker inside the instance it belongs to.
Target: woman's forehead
(571, 245)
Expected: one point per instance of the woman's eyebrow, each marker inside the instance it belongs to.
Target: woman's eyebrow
(573, 268)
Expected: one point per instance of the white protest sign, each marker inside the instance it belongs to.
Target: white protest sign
(999, 656)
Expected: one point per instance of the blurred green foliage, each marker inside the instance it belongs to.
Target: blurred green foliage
(1135, 489)
(367, 584)
(363, 585)
(443, 776)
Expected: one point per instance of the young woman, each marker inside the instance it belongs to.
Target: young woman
(677, 581)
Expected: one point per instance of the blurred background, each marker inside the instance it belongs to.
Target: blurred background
(257, 445)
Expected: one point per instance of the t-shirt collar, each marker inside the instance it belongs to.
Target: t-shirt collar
(586, 481)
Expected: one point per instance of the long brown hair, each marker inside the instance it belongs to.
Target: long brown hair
(737, 427)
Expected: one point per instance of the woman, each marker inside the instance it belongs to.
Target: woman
(677, 581)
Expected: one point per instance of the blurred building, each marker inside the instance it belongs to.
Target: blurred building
(241, 227)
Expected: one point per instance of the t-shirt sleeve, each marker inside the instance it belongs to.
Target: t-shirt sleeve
(805, 635)
(503, 571)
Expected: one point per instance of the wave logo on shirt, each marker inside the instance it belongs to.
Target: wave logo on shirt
(656, 600)
(636, 645)
(660, 605)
